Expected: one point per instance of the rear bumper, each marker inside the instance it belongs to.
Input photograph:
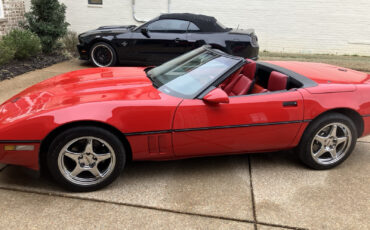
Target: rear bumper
(26, 158)
(243, 49)
(83, 51)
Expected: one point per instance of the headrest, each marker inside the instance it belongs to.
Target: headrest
(277, 81)
(249, 69)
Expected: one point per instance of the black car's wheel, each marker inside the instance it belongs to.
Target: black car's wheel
(328, 141)
(85, 159)
(103, 55)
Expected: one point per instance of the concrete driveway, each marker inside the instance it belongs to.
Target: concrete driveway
(258, 191)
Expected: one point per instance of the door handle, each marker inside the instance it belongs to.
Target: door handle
(290, 104)
(177, 40)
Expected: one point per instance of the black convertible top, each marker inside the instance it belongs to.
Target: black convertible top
(205, 23)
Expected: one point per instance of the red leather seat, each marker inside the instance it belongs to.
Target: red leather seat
(249, 69)
(277, 81)
(230, 79)
(238, 86)
(258, 89)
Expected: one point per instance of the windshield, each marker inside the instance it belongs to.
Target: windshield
(137, 29)
(188, 75)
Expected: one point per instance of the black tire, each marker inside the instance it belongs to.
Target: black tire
(103, 55)
(61, 166)
(318, 132)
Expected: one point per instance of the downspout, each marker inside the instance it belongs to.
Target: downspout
(140, 20)
(133, 12)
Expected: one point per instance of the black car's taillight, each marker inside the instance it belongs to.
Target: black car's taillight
(254, 40)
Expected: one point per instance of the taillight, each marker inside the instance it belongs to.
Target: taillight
(254, 40)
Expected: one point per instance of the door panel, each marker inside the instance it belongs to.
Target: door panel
(160, 47)
(247, 123)
(196, 40)
(167, 40)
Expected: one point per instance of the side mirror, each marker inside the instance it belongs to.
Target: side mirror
(145, 32)
(216, 96)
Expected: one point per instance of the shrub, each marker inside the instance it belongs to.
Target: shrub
(69, 42)
(47, 19)
(7, 53)
(25, 43)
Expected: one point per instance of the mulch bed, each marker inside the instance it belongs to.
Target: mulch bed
(15, 67)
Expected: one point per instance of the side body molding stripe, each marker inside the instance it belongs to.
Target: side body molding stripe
(214, 127)
(20, 141)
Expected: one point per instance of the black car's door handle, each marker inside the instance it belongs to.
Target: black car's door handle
(290, 104)
(177, 40)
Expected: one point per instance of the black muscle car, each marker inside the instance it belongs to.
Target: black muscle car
(163, 38)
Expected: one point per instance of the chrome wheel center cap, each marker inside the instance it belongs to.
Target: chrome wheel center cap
(87, 160)
(331, 142)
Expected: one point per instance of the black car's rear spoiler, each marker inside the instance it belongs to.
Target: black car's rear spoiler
(116, 27)
(241, 31)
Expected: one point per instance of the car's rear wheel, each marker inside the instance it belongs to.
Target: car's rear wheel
(328, 141)
(103, 55)
(86, 158)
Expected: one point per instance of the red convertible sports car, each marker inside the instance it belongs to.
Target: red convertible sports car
(82, 127)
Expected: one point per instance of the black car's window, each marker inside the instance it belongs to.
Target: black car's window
(193, 28)
(169, 25)
(96, 2)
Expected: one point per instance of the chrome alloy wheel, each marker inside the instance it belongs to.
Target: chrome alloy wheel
(102, 55)
(86, 160)
(331, 143)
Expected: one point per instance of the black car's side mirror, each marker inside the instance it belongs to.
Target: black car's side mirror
(145, 32)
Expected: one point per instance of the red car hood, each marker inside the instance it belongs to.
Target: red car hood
(325, 73)
(83, 86)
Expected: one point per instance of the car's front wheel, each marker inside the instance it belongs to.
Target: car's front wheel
(85, 159)
(103, 55)
(328, 141)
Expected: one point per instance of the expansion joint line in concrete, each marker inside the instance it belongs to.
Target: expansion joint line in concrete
(252, 192)
(149, 208)
(364, 142)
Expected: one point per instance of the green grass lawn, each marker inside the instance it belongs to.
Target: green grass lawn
(359, 63)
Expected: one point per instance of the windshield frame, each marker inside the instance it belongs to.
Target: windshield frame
(206, 48)
(145, 24)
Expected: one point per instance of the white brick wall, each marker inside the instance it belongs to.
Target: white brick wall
(13, 13)
(306, 26)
